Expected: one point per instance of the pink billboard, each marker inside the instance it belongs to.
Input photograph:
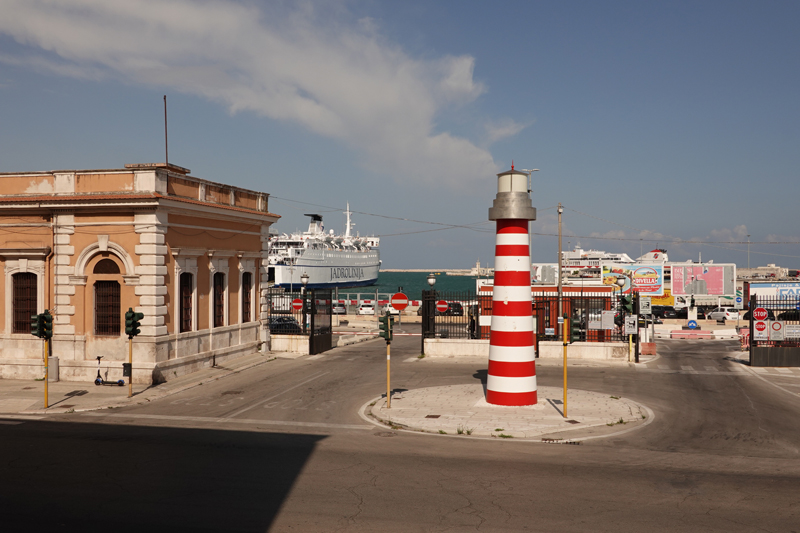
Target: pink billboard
(713, 280)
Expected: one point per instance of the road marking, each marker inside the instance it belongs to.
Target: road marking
(685, 367)
(783, 370)
(712, 368)
(410, 359)
(275, 396)
(318, 356)
(250, 421)
(663, 367)
(759, 369)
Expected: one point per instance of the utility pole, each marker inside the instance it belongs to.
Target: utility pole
(560, 294)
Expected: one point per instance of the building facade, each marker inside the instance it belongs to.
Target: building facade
(188, 253)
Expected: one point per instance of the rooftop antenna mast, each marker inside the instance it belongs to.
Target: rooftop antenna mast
(166, 137)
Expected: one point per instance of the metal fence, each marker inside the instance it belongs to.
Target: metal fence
(466, 315)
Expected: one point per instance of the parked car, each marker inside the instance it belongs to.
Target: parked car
(284, 324)
(454, 309)
(684, 313)
(723, 313)
(794, 314)
(389, 310)
(645, 321)
(338, 308)
(664, 311)
(770, 315)
(366, 308)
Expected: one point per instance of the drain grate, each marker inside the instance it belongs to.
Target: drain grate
(27, 388)
(572, 422)
(385, 434)
(229, 392)
(66, 406)
(433, 416)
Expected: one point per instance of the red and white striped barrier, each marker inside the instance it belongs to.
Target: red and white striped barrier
(512, 366)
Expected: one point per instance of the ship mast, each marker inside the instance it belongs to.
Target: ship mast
(347, 225)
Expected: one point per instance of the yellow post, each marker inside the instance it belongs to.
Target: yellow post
(46, 377)
(130, 361)
(630, 348)
(388, 385)
(566, 333)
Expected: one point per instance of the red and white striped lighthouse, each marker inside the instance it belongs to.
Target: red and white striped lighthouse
(512, 366)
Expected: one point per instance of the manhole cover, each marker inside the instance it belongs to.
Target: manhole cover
(433, 416)
(385, 434)
(228, 392)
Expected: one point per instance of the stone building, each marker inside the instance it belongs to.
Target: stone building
(89, 244)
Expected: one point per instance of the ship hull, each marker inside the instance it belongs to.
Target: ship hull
(328, 269)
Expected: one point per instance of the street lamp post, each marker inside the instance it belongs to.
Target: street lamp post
(429, 323)
(748, 254)
(304, 281)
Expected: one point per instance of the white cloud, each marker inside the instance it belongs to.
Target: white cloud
(337, 79)
(496, 131)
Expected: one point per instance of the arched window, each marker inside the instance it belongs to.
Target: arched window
(106, 266)
(25, 291)
(247, 286)
(219, 299)
(106, 308)
(187, 288)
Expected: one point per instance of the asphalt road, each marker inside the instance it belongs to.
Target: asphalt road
(282, 448)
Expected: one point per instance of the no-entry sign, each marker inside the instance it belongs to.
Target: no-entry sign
(760, 313)
(399, 301)
(441, 306)
(297, 304)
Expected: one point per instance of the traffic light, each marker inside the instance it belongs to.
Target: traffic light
(47, 325)
(386, 322)
(574, 330)
(132, 323)
(627, 303)
(37, 325)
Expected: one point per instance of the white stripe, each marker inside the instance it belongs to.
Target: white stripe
(512, 323)
(511, 238)
(503, 384)
(512, 293)
(511, 354)
(216, 420)
(512, 263)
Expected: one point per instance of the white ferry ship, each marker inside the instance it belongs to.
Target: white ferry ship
(329, 260)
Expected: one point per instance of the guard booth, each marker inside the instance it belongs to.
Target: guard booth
(302, 314)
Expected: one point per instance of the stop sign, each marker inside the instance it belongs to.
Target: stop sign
(441, 306)
(761, 326)
(297, 304)
(760, 314)
(399, 301)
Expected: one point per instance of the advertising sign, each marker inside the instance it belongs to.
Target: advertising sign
(789, 290)
(664, 299)
(647, 280)
(713, 280)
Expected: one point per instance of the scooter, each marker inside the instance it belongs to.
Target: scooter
(99, 379)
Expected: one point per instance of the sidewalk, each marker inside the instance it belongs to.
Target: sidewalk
(461, 410)
(26, 397)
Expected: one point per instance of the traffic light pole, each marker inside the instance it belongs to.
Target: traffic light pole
(388, 375)
(565, 334)
(46, 376)
(130, 362)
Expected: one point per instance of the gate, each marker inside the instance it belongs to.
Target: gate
(319, 304)
(766, 348)
(298, 313)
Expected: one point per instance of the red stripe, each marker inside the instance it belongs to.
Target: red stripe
(512, 309)
(507, 225)
(512, 278)
(511, 398)
(505, 250)
(507, 369)
(511, 338)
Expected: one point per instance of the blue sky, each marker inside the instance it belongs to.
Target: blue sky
(653, 123)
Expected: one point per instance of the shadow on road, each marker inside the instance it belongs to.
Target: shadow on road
(74, 476)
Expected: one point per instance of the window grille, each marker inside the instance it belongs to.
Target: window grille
(24, 301)
(106, 308)
(186, 302)
(219, 300)
(247, 286)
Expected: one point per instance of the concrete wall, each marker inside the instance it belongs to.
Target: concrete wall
(599, 351)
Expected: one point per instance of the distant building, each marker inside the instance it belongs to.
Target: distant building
(89, 244)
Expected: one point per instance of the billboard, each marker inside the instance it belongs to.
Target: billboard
(789, 290)
(699, 279)
(648, 280)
